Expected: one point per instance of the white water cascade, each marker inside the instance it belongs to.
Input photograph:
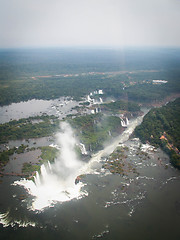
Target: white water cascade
(56, 182)
(124, 123)
(83, 149)
(91, 165)
(88, 98)
(100, 99)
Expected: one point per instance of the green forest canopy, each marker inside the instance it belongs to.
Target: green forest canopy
(164, 121)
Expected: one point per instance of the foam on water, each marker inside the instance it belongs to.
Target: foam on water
(4, 220)
(56, 182)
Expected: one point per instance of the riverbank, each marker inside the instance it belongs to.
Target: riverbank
(160, 128)
(166, 100)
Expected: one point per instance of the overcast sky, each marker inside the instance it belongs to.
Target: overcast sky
(34, 23)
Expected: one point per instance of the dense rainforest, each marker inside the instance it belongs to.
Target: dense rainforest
(26, 128)
(161, 127)
(94, 130)
(48, 74)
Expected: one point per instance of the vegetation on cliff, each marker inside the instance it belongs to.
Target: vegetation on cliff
(95, 129)
(48, 154)
(161, 127)
(121, 105)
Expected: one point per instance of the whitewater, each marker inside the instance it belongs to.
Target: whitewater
(56, 181)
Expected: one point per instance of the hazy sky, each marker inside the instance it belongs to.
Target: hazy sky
(89, 23)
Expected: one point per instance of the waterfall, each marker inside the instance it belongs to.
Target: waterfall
(56, 182)
(101, 101)
(127, 121)
(49, 165)
(100, 91)
(54, 146)
(124, 123)
(91, 100)
(37, 179)
(83, 149)
(88, 98)
(88, 168)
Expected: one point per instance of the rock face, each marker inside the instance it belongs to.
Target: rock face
(78, 179)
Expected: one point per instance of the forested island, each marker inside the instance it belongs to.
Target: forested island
(161, 128)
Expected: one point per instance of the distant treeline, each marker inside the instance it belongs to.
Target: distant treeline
(161, 127)
(17, 67)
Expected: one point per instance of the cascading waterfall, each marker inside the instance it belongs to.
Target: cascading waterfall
(89, 167)
(83, 149)
(127, 121)
(56, 182)
(124, 123)
(101, 101)
(88, 98)
(91, 100)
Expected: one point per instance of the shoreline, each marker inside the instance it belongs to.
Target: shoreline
(163, 102)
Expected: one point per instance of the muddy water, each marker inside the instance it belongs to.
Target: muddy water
(58, 107)
(16, 161)
(140, 205)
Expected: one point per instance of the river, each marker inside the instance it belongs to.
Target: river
(59, 107)
(141, 205)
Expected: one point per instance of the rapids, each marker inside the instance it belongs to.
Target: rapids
(56, 182)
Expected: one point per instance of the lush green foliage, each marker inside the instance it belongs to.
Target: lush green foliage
(25, 128)
(164, 121)
(94, 130)
(29, 168)
(4, 155)
(48, 154)
(125, 74)
(121, 105)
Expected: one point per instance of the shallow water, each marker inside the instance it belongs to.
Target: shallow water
(16, 161)
(58, 107)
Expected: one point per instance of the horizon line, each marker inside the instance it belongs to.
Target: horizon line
(107, 47)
